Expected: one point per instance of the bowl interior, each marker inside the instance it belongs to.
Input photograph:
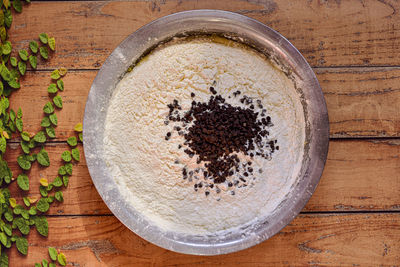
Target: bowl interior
(232, 26)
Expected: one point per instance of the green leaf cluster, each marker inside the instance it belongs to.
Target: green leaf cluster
(18, 217)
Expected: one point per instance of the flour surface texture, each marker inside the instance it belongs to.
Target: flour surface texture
(146, 157)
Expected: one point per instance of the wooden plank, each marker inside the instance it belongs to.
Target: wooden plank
(328, 33)
(80, 197)
(33, 96)
(361, 102)
(359, 176)
(318, 240)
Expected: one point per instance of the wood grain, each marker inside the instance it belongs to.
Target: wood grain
(359, 176)
(80, 197)
(327, 33)
(317, 240)
(33, 96)
(361, 102)
(353, 47)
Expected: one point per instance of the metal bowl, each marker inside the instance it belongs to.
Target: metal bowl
(233, 26)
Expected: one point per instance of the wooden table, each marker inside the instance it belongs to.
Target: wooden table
(353, 219)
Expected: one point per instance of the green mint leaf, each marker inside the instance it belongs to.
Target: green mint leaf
(19, 113)
(43, 191)
(12, 115)
(38, 265)
(53, 253)
(75, 154)
(59, 196)
(5, 73)
(23, 54)
(17, 5)
(65, 180)
(52, 43)
(22, 225)
(53, 119)
(43, 38)
(66, 156)
(3, 144)
(13, 60)
(8, 18)
(72, 141)
(3, 238)
(42, 225)
(52, 264)
(57, 182)
(4, 259)
(48, 108)
(23, 182)
(32, 143)
(60, 84)
(33, 45)
(52, 89)
(22, 67)
(55, 75)
(62, 260)
(40, 137)
(63, 71)
(43, 158)
(7, 48)
(45, 263)
(32, 211)
(3, 34)
(44, 52)
(62, 171)
(51, 132)
(50, 199)
(24, 163)
(13, 83)
(25, 136)
(68, 168)
(1, 17)
(33, 61)
(9, 216)
(80, 137)
(31, 158)
(43, 205)
(22, 245)
(19, 124)
(45, 122)
(78, 127)
(18, 209)
(26, 201)
(25, 214)
(7, 230)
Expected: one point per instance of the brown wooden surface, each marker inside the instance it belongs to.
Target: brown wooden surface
(316, 240)
(328, 33)
(358, 176)
(353, 219)
(362, 102)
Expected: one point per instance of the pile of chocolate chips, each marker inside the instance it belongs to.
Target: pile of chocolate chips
(216, 132)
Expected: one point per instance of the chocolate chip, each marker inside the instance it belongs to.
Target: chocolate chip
(215, 131)
(212, 90)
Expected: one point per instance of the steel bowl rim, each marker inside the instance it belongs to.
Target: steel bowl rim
(320, 132)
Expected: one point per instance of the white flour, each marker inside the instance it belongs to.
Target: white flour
(142, 161)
